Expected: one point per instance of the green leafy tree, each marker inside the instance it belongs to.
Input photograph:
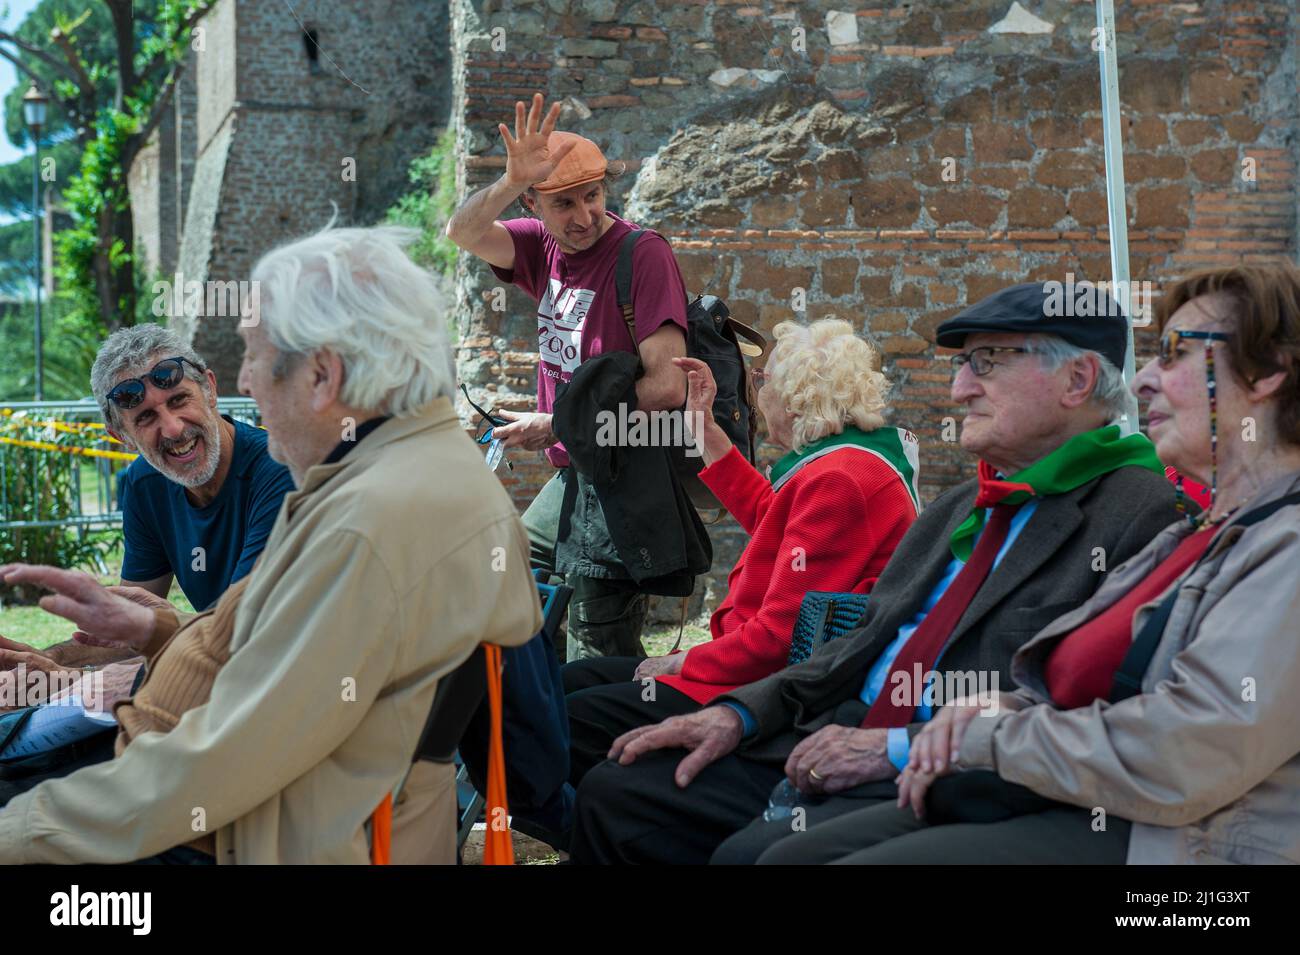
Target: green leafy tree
(430, 204)
(109, 69)
(66, 359)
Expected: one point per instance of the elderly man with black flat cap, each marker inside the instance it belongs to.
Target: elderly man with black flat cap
(1061, 497)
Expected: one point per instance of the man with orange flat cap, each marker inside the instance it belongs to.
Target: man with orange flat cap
(563, 255)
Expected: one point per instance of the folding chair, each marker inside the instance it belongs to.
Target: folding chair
(470, 802)
(456, 701)
(555, 600)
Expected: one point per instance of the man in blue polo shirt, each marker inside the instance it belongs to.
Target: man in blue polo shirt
(200, 501)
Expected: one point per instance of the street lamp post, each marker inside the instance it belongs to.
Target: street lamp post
(34, 104)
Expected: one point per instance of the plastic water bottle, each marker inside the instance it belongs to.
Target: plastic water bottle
(782, 803)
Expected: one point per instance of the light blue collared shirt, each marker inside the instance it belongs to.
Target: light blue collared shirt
(899, 743)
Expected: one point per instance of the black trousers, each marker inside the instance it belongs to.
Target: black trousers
(638, 815)
(801, 831)
(972, 818)
(883, 834)
(66, 761)
(604, 702)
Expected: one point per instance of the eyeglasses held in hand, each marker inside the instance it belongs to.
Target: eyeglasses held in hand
(496, 448)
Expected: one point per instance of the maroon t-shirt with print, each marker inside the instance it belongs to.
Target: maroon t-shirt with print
(577, 302)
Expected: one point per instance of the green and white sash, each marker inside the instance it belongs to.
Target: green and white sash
(897, 447)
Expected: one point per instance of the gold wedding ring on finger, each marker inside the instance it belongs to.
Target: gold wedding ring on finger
(816, 775)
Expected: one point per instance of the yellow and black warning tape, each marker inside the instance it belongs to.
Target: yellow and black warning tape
(69, 449)
(67, 427)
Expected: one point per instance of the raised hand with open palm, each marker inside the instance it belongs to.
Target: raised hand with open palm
(528, 154)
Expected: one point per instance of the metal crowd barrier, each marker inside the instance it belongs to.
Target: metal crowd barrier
(107, 458)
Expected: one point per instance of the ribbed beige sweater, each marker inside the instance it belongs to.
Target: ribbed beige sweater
(183, 665)
(184, 660)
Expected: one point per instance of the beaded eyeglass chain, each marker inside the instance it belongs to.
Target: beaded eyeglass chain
(1180, 501)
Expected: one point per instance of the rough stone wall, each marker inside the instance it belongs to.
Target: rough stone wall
(152, 182)
(147, 191)
(889, 162)
(185, 120)
(264, 143)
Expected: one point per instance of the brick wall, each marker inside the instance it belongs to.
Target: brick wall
(909, 168)
(256, 148)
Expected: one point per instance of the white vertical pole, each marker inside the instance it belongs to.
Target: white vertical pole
(1115, 205)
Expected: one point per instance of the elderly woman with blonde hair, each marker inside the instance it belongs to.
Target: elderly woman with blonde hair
(827, 516)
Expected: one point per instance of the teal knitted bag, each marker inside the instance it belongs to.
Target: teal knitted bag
(823, 617)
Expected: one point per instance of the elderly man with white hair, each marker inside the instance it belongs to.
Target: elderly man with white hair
(270, 728)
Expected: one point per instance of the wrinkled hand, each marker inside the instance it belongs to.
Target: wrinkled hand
(936, 749)
(709, 734)
(843, 756)
(529, 430)
(102, 689)
(701, 389)
(137, 595)
(103, 618)
(14, 654)
(667, 665)
(701, 427)
(939, 743)
(528, 156)
(145, 598)
(912, 788)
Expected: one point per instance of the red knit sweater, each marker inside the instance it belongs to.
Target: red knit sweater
(1082, 667)
(832, 526)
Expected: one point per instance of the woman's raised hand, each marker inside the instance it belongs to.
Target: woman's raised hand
(701, 389)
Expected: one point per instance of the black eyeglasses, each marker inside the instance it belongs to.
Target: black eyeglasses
(165, 375)
(979, 360)
(1172, 337)
(496, 450)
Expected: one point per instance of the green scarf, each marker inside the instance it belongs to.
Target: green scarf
(896, 447)
(1078, 461)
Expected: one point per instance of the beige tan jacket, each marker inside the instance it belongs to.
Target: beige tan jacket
(1205, 761)
(381, 575)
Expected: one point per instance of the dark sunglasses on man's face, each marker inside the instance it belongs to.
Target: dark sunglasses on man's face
(1170, 340)
(165, 376)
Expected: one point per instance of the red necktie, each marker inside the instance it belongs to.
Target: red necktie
(921, 652)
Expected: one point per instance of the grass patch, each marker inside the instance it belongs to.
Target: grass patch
(33, 626)
(659, 640)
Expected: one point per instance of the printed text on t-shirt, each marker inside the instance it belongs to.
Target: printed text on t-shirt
(561, 315)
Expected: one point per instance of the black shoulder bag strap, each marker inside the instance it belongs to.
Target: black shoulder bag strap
(1128, 678)
(623, 283)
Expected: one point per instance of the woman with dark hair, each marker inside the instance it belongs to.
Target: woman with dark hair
(1159, 722)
